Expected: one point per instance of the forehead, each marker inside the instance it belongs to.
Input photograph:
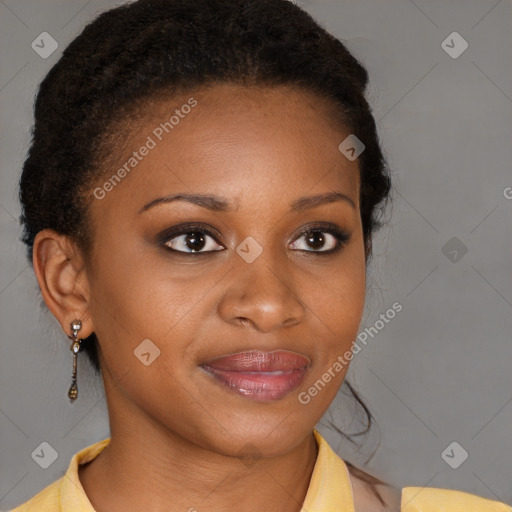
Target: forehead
(252, 144)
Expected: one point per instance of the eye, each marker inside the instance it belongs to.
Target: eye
(197, 239)
(315, 236)
(190, 239)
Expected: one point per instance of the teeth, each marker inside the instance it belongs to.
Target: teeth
(277, 372)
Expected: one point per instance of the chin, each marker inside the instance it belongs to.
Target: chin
(259, 435)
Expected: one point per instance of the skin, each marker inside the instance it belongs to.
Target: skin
(177, 436)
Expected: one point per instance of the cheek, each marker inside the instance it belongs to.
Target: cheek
(339, 300)
(139, 301)
(344, 299)
(339, 304)
(139, 309)
(134, 299)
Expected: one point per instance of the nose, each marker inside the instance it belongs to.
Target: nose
(262, 293)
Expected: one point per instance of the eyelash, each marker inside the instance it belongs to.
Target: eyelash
(341, 236)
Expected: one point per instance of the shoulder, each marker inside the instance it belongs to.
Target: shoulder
(367, 490)
(416, 499)
(431, 499)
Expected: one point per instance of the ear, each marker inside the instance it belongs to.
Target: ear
(61, 273)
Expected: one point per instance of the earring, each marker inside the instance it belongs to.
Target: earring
(76, 346)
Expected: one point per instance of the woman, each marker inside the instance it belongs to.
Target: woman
(199, 202)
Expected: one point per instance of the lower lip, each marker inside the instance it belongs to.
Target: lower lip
(259, 386)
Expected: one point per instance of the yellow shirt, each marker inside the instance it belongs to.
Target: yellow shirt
(330, 490)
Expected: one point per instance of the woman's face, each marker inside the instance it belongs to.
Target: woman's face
(167, 307)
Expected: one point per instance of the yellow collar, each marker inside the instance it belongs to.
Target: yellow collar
(329, 488)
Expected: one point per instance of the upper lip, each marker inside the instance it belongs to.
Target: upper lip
(259, 361)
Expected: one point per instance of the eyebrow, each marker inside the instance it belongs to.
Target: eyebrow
(220, 204)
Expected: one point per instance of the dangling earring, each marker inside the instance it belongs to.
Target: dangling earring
(76, 346)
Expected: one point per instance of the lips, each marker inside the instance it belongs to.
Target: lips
(257, 375)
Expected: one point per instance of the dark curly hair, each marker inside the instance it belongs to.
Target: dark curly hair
(148, 48)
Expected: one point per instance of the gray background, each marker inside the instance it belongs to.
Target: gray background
(439, 371)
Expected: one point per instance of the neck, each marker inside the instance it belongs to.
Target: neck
(145, 467)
